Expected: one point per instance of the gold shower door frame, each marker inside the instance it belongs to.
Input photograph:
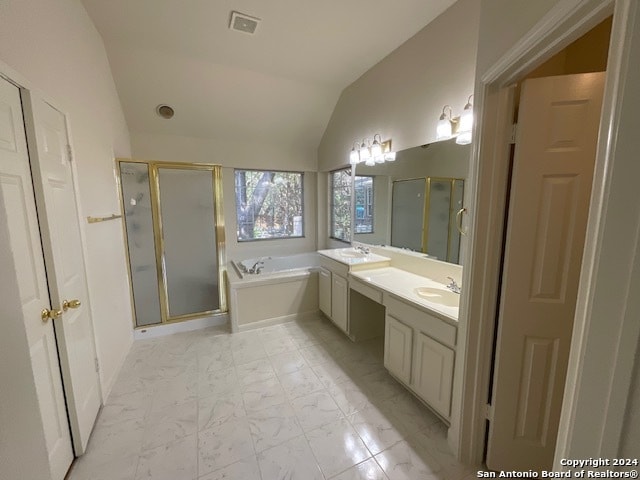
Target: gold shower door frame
(156, 214)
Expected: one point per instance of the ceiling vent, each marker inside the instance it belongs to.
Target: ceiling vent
(243, 23)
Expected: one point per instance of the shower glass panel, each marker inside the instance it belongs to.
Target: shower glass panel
(187, 215)
(439, 215)
(136, 196)
(407, 213)
(456, 203)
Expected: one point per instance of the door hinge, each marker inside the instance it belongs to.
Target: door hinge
(97, 366)
(70, 153)
(514, 133)
(488, 412)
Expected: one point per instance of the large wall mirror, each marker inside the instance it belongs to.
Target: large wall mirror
(413, 202)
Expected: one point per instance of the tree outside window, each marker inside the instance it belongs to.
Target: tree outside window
(340, 187)
(269, 204)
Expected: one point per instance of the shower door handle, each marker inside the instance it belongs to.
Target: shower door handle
(459, 221)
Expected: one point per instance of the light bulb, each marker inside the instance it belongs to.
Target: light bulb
(443, 131)
(376, 149)
(466, 121)
(466, 124)
(370, 162)
(354, 158)
(365, 153)
(390, 156)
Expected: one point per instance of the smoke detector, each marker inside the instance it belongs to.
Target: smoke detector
(243, 23)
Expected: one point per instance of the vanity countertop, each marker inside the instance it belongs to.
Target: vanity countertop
(404, 284)
(351, 257)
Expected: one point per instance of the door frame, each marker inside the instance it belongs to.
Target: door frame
(599, 409)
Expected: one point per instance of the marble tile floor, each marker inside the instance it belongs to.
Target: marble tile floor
(297, 401)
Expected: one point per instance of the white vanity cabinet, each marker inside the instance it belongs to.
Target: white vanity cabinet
(324, 291)
(433, 373)
(398, 348)
(334, 292)
(419, 350)
(339, 301)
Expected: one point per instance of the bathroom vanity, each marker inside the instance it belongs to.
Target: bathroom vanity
(416, 314)
(333, 292)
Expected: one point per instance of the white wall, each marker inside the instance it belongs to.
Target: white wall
(230, 155)
(401, 97)
(55, 48)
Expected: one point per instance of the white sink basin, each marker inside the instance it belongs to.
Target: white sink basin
(439, 296)
(350, 253)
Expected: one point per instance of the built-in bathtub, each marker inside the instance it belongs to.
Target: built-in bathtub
(272, 266)
(266, 291)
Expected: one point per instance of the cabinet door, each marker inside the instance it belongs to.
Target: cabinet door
(324, 293)
(398, 343)
(339, 295)
(433, 373)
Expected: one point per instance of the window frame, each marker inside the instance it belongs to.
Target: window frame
(331, 203)
(302, 203)
(367, 206)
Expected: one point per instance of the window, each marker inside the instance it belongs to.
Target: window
(340, 186)
(364, 204)
(340, 183)
(268, 204)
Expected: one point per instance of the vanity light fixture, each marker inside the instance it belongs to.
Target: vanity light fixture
(371, 153)
(466, 124)
(445, 128)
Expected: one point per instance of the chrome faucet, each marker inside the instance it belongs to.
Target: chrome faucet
(362, 249)
(453, 286)
(257, 267)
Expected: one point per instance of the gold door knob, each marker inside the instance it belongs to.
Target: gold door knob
(46, 314)
(67, 304)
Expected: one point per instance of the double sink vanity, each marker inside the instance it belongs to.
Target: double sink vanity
(401, 296)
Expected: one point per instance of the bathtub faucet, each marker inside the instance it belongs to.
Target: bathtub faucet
(257, 267)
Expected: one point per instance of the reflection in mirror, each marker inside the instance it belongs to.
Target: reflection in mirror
(412, 202)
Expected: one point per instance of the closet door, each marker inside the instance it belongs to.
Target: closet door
(16, 187)
(59, 221)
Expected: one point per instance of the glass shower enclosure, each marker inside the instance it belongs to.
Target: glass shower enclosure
(175, 240)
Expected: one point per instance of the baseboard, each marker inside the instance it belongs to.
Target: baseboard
(300, 317)
(179, 327)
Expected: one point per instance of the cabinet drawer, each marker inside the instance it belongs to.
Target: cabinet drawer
(366, 290)
(422, 321)
(335, 267)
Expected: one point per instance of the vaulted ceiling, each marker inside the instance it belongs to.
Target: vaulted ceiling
(277, 86)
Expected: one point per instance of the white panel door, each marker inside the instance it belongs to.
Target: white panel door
(324, 291)
(339, 301)
(55, 194)
(433, 373)
(17, 189)
(550, 192)
(398, 343)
